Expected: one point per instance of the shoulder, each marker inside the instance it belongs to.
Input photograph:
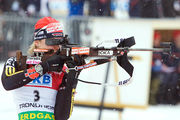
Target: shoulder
(11, 62)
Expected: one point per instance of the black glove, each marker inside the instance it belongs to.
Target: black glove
(54, 63)
(78, 60)
(73, 75)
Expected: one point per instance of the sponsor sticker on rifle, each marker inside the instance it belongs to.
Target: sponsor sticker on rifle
(41, 50)
(86, 65)
(105, 52)
(80, 50)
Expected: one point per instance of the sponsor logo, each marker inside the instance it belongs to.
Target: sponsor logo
(33, 60)
(40, 50)
(54, 27)
(86, 66)
(80, 50)
(9, 71)
(31, 73)
(40, 33)
(35, 105)
(36, 115)
(123, 82)
(72, 99)
(45, 80)
(11, 62)
(119, 40)
(105, 52)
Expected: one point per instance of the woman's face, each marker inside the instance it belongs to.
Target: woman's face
(40, 44)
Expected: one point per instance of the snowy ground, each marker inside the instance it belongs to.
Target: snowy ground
(160, 112)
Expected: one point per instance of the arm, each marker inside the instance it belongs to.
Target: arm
(65, 95)
(12, 79)
(65, 99)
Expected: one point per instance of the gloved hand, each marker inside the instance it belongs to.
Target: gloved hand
(54, 63)
(73, 75)
(78, 60)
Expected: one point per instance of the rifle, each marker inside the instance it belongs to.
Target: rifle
(104, 55)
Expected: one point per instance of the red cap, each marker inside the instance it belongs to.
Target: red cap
(48, 27)
(44, 21)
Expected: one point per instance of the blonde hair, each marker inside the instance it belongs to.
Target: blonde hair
(31, 48)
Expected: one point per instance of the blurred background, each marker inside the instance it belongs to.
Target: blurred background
(154, 92)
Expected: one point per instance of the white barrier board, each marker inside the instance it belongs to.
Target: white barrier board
(134, 94)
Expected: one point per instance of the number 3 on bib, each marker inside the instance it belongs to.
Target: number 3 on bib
(36, 96)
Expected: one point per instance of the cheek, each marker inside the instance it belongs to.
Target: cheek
(56, 47)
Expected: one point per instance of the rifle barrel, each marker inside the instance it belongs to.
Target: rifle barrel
(146, 49)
